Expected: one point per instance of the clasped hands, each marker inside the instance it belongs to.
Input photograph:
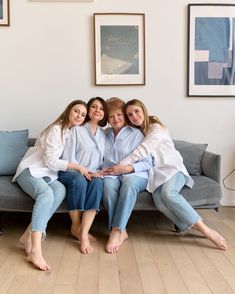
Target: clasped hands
(114, 170)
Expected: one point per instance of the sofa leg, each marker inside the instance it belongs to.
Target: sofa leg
(177, 230)
(1, 216)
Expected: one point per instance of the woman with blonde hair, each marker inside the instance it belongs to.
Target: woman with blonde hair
(168, 174)
(37, 175)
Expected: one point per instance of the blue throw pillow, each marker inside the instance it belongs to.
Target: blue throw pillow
(13, 146)
(192, 155)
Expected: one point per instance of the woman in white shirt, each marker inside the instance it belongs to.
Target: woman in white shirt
(86, 147)
(37, 175)
(168, 175)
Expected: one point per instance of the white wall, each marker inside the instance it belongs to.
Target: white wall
(47, 60)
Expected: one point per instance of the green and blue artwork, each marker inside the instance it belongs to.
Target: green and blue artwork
(119, 49)
(1, 9)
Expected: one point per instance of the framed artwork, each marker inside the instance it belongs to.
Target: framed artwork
(211, 50)
(119, 48)
(4, 12)
(63, 0)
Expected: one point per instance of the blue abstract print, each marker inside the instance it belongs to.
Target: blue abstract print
(215, 35)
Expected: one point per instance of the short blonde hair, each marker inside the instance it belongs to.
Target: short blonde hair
(115, 103)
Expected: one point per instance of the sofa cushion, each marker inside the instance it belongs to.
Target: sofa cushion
(192, 155)
(13, 198)
(13, 146)
(205, 193)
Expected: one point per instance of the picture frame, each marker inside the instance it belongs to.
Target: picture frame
(211, 49)
(4, 12)
(63, 0)
(119, 41)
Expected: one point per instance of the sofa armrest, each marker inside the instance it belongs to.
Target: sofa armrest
(211, 165)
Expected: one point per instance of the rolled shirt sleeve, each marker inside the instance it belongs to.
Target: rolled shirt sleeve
(143, 165)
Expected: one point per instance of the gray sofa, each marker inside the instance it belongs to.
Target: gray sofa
(203, 166)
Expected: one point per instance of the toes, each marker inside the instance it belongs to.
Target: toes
(112, 249)
(222, 245)
(86, 247)
(87, 250)
(218, 240)
(39, 263)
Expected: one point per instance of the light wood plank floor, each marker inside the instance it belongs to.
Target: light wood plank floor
(153, 260)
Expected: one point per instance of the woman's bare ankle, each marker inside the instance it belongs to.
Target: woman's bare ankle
(77, 234)
(26, 241)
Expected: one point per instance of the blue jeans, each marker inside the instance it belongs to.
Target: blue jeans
(120, 196)
(172, 204)
(82, 194)
(47, 196)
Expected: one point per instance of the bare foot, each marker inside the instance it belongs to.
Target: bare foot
(25, 240)
(76, 233)
(116, 239)
(38, 261)
(86, 247)
(217, 239)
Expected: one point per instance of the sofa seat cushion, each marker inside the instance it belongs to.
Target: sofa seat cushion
(144, 201)
(13, 198)
(205, 192)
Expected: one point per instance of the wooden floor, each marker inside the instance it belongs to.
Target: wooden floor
(153, 260)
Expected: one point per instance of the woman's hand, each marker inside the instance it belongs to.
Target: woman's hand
(118, 169)
(83, 171)
(98, 174)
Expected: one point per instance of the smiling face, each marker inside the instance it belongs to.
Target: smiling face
(116, 119)
(77, 115)
(96, 111)
(135, 115)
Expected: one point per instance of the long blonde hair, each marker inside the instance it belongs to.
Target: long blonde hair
(148, 119)
(63, 119)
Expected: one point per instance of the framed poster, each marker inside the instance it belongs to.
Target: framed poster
(63, 0)
(119, 48)
(4, 12)
(211, 50)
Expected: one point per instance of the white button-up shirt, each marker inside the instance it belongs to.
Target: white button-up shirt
(44, 158)
(167, 160)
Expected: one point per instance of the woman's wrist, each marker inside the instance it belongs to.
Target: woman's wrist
(130, 168)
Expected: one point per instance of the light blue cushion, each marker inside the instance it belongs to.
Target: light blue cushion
(192, 155)
(13, 146)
